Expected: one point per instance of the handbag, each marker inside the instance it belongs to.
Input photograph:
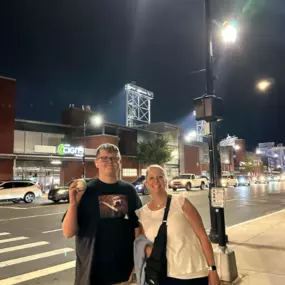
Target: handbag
(156, 264)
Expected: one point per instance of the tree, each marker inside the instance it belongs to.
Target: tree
(153, 152)
(251, 164)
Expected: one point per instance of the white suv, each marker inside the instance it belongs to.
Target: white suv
(19, 190)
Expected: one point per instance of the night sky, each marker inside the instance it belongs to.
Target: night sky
(83, 52)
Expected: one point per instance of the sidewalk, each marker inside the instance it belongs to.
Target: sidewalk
(259, 247)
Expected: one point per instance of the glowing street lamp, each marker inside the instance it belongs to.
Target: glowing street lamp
(229, 32)
(192, 136)
(236, 147)
(263, 85)
(96, 120)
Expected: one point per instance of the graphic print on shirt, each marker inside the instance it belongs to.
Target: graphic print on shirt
(113, 206)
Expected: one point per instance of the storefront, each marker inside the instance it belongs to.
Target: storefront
(45, 164)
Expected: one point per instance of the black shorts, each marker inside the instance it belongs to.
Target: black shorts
(195, 281)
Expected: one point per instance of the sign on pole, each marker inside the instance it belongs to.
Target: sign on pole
(218, 198)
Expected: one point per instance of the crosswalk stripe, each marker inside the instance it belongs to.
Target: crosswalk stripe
(4, 234)
(34, 257)
(23, 246)
(38, 273)
(29, 217)
(52, 231)
(12, 239)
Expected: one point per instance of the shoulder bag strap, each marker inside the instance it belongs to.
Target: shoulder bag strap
(169, 197)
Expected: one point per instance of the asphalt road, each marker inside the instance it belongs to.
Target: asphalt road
(34, 251)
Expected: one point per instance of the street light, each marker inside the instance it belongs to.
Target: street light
(236, 147)
(209, 108)
(229, 32)
(95, 120)
(191, 136)
(263, 85)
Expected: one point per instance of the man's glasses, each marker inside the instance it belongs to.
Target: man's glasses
(106, 159)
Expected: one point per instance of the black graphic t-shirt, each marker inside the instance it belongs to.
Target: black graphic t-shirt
(106, 223)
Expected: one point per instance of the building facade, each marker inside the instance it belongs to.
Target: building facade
(52, 153)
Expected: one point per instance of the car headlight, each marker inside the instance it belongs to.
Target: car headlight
(62, 191)
(139, 187)
(223, 181)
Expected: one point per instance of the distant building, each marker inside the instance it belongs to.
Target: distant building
(272, 155)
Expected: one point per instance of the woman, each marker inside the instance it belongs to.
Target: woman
(190, 259)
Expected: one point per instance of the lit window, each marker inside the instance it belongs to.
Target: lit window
(144, 171)
(130, 172)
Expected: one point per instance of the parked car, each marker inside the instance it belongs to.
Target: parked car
(188, 181)
(261, 179)
(60, 193)
(18, 190)
(273, 178)
(139, 185)
(243, 180)
(229, 180)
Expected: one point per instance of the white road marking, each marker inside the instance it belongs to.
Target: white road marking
(23, 246)
(36, 274)
(34, 257)
(27, 208)
(29, 217)
(51, 231)
(256, 219)
(12, 239)
(44, 206)
(231, 200)
(4, 234)
(14, 208)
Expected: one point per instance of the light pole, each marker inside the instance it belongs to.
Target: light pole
(213, 108)
(96, 121)
(215, 163)
(209, 108)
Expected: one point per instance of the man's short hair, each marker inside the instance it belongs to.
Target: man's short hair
(108, 147)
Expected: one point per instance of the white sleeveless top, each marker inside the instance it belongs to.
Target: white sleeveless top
(185, 258)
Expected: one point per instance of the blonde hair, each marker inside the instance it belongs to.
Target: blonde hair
(155, 166)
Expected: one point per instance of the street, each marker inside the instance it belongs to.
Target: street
(34, 251)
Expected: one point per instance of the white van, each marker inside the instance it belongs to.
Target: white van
(18, 191)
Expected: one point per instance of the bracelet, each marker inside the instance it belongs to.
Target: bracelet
(212, 268)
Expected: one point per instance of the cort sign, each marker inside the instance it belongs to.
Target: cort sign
(67, 149)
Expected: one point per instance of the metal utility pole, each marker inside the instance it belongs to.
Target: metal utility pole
(83, 156)
(210, 109)
(215, 163)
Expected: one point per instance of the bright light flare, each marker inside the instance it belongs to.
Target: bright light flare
(263, 85)
(229, 32)
(236, 147)
(96, 120)
(192, 136)
(55, 162)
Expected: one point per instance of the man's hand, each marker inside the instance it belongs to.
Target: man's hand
(131, 276)
(74, 194)
(214, 278)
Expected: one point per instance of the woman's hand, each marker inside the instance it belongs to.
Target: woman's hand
(214, 278)
(148, 250)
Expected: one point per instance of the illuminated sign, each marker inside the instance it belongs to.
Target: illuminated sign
(66, 149)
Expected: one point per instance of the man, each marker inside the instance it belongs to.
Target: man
(104, 222)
